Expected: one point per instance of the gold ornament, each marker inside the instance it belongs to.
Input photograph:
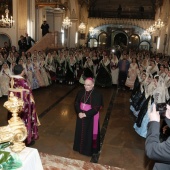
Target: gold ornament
(16, 131)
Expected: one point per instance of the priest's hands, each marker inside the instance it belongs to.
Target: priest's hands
(81, 115)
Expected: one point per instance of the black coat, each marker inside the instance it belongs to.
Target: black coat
(142, 112)
(28, 41)
(104, 77)
(45, 29)
(22, 45)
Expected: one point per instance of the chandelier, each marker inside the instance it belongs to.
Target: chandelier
(82, 27)
(158, 24)
(66, 23)
(6, 22)
(151, 29)
(145, 33)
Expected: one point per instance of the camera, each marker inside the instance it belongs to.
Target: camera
(161, 107)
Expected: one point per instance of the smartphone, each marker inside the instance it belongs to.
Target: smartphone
(161, 107)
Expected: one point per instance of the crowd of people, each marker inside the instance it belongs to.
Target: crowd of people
(146, 74)
(63, 66)
(152, 86)
(73, 65)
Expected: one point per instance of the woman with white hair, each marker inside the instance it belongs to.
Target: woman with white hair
(31, 78)
(114, 69)
(50, 66)
(132, 74)
(88, 70)
(152, 68)
(5, 78)
(37, 72)
(104, 78)
(71, 70)
(45, 75)
(61, 67)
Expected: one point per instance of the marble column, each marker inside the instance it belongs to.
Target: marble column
(58, 18)
(22, 17)
(40, 17)
(31, 19)
(72, 34)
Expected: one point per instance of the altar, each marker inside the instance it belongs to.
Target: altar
(30, 159)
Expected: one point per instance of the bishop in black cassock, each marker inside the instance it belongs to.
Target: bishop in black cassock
(87, 133)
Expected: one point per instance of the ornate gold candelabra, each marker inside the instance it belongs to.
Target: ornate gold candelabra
(16, 131)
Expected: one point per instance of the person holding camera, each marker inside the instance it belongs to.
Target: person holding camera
(159, 152)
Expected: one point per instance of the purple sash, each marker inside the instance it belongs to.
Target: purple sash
(87, 107)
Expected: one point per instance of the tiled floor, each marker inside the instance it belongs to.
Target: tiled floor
(121, 146)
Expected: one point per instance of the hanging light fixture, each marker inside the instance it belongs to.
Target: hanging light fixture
(82, 27)
(159, 24)
(151, 29)
(67, 23)
(6, 22)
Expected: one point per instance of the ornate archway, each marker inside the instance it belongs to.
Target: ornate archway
(92, 42)
(144, 45)
(103, 39)
(119, 38)
(4, 38)
(134, 41)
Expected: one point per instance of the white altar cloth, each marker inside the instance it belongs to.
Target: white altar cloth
(30, 159)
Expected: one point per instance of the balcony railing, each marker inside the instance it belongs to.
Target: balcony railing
(51, 3)
(124, 14)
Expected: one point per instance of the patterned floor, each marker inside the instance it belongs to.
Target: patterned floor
(52, 162)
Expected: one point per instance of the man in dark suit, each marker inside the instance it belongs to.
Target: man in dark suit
(159, 152)
(45, 28)
(29, 41)
(22, 44)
